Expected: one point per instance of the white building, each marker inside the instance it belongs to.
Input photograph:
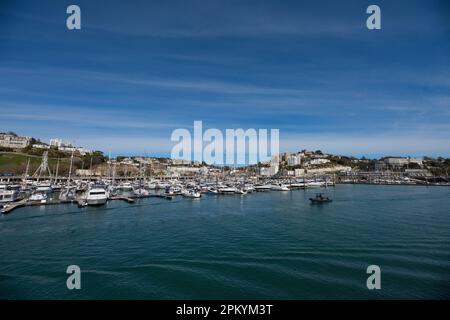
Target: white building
(82, 151)
(270, 171)
(181, 162)
(58, 143)
(294, 160)
(318, 161)
(275, 159)
(40, 146)
(179, 171)
(13, 141)
(416, 161)
(402, 161)
(66, 146)
(330, 170)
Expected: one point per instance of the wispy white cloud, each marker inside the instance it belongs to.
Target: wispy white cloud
(78, 116)
(408, 143)
(139, 145)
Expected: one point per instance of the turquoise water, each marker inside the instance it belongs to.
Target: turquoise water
(271, 245)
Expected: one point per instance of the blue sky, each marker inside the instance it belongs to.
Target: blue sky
(139, 69)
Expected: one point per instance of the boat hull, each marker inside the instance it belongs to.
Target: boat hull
(96, 202)
(316, 201)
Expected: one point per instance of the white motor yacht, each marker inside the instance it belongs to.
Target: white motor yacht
(227, 190)
(240, 191)
(249, 188)
(264, 187)
(315, 184)
(280, 187)
(44, 187)
(141, 192)
(127, 187)
(38, 196)
(96, 196)
(191, 194)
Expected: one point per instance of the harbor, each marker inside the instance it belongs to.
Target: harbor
(253, 152)
(58, 173)
(241, 246)
(48, 186)
(18, 193)
(95, 193)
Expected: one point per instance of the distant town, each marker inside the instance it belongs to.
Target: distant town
(20, 153)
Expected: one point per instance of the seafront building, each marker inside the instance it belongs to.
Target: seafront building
(272, 168)
(317, 161)
(41, 146)
(8, 140)
(397, 162)
(294, 159)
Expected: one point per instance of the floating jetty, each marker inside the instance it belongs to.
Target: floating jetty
(127, 199)
(26, 203)
(10, 207)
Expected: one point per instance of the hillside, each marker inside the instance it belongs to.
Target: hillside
(17, 162)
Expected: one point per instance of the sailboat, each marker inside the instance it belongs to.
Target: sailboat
(68, 192)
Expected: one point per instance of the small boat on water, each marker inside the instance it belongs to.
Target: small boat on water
(172, 191)
(96, 196)
(297, 185)
(241, 191)
(315, 184)
(126, 187)
(280, 187)
(249, 188)
(320, 198)
(38, 196)
(227, 190)
(264, 187)
(210, 191)
(191, 194)
(141, 192)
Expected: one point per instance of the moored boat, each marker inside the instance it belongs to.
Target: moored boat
(191, 194)
(96, 196)
(7, 195)
(227, 190)
(38, 196)
(280, 187)
(264, 187)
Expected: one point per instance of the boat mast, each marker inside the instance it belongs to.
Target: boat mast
(56, 172)
(114, 172)
(25, 177)
(70, 170)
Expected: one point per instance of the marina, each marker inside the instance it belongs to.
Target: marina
(17, 192)
(272, 244)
